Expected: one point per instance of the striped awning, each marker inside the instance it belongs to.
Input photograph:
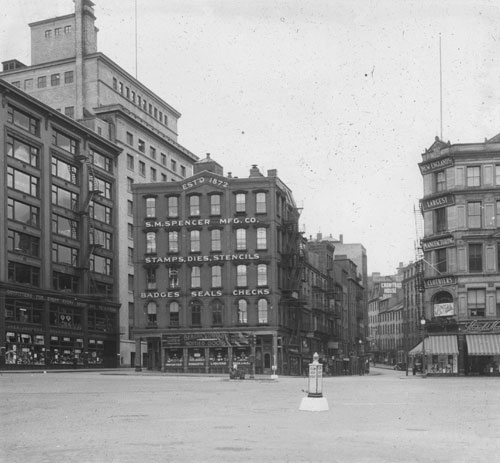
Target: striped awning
(483, 344)
(437, 345)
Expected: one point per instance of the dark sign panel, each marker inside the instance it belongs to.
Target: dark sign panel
(441, 281)
(443, 242)
(436, 203)
(435, 165)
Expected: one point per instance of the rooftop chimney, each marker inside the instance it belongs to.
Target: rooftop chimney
(255, 172)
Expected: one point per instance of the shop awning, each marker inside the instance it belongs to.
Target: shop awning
(483, 344)
(437, 345)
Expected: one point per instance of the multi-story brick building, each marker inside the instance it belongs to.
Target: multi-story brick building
(219, 265)
(68, 73)
(58, 246)
(461, 244)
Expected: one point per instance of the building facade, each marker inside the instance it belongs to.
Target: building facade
(219, 265)
(69, 74)
(58, 216)
(461, 245)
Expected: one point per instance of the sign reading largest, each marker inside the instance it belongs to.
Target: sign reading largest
(436, 203)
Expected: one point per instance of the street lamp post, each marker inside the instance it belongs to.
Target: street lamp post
(423, 321)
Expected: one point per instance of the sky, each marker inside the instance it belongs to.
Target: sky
(341, 97)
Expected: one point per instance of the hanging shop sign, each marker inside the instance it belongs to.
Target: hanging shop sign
(436, 203)
(441, 281)
(438, 243)
(446, 309)
(435, 165)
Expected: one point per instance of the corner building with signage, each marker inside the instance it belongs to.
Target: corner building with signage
(461, 248)
(217, 260)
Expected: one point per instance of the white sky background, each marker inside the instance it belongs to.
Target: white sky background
(341, 97)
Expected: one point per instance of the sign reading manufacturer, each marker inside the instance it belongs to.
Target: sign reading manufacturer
(438, 243)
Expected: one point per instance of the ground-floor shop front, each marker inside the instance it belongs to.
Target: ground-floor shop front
(475, 354)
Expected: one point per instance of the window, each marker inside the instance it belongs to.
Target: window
(498, 216)
(165, 120)
(151, 310)
(262, 275)
(24, 213)
(142, 168)
(261, 238)
(48, 33)
(440, 220)
(130, 254)
(216, 276)
(101, 265)
(497, 174)
(173, 165)
(163, 178)
(127, 93)
(441, 262)
(64, 142)
(101, 161)
(64, 254)
(173, 206)
(174, 313)
(130, 139)
(241, 239)
(150, 108)
(183, 171)
(55, 79)
(260, 203)
(130, 231)
(163, 158)
(474, 214)
(242, 311)
(120, 85)
(475, 257)
(24, 274)
(173, 241)
(217, 308)
(41, 82)
(28, 85)
(101, 238)
(474, 176)
(195, 277)
(241, 275)
(20, 181)
(130, 207)
(64, 282)
(130, 182)
(151, 242)
(17, 83)
(104, 187)
(115, 83)
(195, 313)
(23, 243)
(68, 77)
(150, 207)
(262, 310)
(23, 120)
(173, 278)
(215, 205)
(22, 151)
(57, 31)
(100, 212)
(151, 278)
(130, 283)
(194, 205)
(476, 302)
(152, 152)
(215, 239)
(153, 174)
(65, 171)
(195, 240)
(62, 225)
(69, 111)
(240, 202)
(130, 162)
(141, 145)
(64, 198)
(133, 97)
(67, 29)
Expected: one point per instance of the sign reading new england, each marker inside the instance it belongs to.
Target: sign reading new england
(436, 203)
(435, 165)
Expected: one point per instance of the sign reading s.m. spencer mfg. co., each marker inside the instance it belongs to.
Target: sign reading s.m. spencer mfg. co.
(436, 203)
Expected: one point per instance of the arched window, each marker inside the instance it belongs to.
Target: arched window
(262, 275)
(217, 308)
(194, 205)
(195, 277)
(242, 308)
(151, 311)
(216, 276)
(261, 238)
(174, 313)
(262, 311)
(241, 239)
(260, 203)
(195, 240)
(215, 205)
(215, 236)
(150, 242)
(150, 207)
(196, 313)
(241, 275)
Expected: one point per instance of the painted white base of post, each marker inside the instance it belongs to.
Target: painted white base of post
(274, 376)
(314, 404)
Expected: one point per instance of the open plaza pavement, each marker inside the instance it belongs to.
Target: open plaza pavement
(123, 416)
